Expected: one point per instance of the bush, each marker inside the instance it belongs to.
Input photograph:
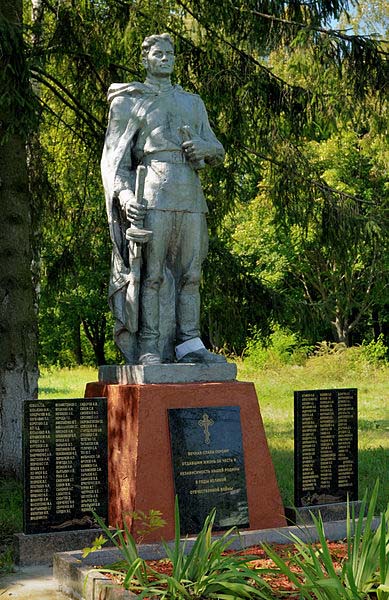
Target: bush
(375, 352)
(282, 347)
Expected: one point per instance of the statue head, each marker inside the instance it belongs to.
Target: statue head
(158, 55)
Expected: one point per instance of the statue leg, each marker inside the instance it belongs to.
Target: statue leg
(192, 247)
(154, 259)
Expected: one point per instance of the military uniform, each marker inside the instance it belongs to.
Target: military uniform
(145, 128)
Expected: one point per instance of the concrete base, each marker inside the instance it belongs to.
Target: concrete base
(328, 512)
(30, 583)
(70, 569)
(140, 468)
(171, 373)
(38, 548)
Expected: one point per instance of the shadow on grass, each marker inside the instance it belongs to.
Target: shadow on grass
(284, 468)
(53, 390)
(368, 425)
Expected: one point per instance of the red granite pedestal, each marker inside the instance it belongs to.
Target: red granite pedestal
(139, 454)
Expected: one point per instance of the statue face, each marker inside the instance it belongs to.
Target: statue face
(160, 59)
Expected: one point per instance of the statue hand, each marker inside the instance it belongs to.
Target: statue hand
(196, 149)
(133, 211)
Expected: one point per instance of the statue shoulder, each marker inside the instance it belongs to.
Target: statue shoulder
(123, 98)
(181, 90)
(194, 99)
(134, 89)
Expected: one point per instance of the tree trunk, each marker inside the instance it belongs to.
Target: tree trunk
(18, 321)
(341, 330)
(77, 342)
(95, 333)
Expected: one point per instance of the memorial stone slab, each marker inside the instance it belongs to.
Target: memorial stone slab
(326, 446)
(208, 466)
(65, 464)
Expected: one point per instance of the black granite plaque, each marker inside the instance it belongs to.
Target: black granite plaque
(208, 466)
(65, 464)
(325, 446)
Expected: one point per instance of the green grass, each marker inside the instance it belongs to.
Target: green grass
(11, 520)
(275, 387)
(65, 383)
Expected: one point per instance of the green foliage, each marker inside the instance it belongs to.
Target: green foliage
(10, 509)
(281, 348)
(375, 352)
(233, 299)
(204, 571)
(97, 544)
(18, 106)
(201, 572)
(137, 574)
(148, 522)
(265, 104)
(11, 520)
(365, 570)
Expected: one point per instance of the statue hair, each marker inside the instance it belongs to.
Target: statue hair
(151, 40)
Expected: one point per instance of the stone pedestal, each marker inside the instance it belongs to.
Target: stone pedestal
(337, 511)
(139, 454)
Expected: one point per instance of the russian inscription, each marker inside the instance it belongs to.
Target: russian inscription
(65, 463)
(208, 466)
(326, 446)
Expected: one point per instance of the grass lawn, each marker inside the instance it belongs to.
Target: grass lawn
(275, 386)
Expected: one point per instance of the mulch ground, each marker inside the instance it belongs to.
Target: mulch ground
(278, 582)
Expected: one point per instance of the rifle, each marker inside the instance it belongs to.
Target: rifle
(136, 236)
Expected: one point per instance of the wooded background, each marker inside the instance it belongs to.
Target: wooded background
(296, 91)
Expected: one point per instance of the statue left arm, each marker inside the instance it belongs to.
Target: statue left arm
(205, 145)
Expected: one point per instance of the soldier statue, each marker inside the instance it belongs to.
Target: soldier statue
(158, 139)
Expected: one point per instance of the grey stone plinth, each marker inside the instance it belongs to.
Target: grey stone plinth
(329, 512)
(171, 373)
(38, 548)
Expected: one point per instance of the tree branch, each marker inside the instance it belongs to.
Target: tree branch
(242, 53)
(45, 78)
(338, 33)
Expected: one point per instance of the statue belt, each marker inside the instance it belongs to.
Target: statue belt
(174, 157)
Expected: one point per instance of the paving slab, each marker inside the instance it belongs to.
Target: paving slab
(31, 583)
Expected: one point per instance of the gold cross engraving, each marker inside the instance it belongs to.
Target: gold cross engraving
(205, 423)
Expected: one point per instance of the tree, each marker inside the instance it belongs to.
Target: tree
(18, 350)
(332, 207)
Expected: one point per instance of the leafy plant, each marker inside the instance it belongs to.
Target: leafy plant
(6, 562)
(283, 347)
(149, 522)
(365, 571)
(375, 352)
(136, 577)
(203, 572)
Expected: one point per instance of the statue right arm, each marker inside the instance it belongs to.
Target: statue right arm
(116, 163)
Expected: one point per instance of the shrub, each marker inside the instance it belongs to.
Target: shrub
(375, 352)
(282, 347)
